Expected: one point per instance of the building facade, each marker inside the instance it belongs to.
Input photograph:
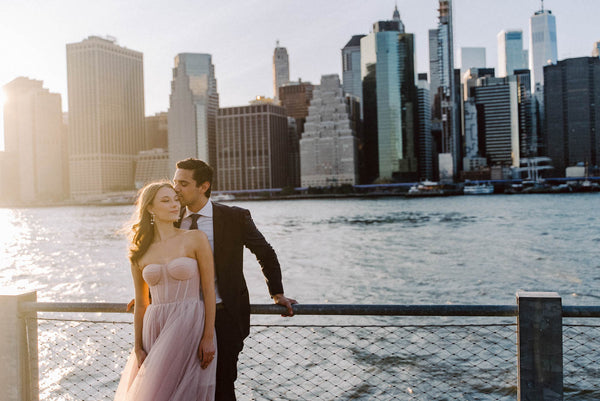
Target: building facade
(157, 131)
(253, 147)
(389, 102)
(472, 57)
(281, 69)
(329, 146)
(572, 126)
(351, 78)
(106, 115)
(511, 55)
(295, 97)
(35, 140)
(424, 144)
(542, 46)
(445, 105)
(496, 100)
(193, 109)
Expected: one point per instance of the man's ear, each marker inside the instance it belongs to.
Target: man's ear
(205, 186)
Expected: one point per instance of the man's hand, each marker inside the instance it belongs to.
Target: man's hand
(281, 299)
(130, 305)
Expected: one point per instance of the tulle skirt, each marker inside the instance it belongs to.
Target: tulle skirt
(171, 370)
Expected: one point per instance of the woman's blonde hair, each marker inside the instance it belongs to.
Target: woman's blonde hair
(141, 234)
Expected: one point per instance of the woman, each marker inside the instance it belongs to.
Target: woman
(174, 335)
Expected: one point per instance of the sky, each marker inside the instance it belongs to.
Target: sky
(241, 36)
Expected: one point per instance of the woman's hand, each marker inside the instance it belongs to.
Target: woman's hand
(141, 356)
(206, 352)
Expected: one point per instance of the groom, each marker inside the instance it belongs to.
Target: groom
(229, 229)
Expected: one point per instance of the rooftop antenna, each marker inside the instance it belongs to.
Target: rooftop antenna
(542, 5)
(277, 41)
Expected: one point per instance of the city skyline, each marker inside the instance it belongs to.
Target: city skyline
(188, 27)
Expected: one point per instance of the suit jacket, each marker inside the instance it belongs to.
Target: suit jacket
(234, 229)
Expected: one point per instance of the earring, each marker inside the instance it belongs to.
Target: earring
(151, 219)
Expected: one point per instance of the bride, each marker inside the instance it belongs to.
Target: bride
(175, 340)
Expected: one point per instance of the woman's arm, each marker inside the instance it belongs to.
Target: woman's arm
(141, 302)
(204, 256)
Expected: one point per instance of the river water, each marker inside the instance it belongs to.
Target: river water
(458, 250)
(454, 250)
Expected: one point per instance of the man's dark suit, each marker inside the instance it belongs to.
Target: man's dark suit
(233, 228)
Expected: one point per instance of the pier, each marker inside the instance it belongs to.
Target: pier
(537, 349)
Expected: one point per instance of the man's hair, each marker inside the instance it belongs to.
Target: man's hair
(202, 172)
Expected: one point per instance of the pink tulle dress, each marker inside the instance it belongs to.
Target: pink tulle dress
(173, 326)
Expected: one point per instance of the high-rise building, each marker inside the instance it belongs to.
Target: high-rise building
(572, 100)
(295, 97)
(281, 69)
(472, 57)
(445, 110)
(511, 55)
(596, 49)
(157, 129)
(542, 45)
(497, 105)
(253, 144)
(352, 83)
(34, 135)
(329, 146)
(106, 115)
(389, 101)
(423, 141)
(474, 150)
(193, 108)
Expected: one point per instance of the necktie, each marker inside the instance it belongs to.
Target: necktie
(194, 225)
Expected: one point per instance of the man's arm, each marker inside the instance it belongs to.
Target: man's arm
(267, 258)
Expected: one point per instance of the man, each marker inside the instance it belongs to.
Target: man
(229, 229)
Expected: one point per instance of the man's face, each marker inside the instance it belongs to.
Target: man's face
(187, 188)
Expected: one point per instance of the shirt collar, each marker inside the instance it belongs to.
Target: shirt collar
(206, 211)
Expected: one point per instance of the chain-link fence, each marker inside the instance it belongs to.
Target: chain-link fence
(81, 359)
(581, 359)
(341, 358)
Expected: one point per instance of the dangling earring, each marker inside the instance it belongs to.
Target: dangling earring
(151, 219)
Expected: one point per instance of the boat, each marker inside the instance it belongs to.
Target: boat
(221, 197)
(478, 188)
(426, 188)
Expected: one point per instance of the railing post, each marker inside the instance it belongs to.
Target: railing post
(18, 353)
(539, 345)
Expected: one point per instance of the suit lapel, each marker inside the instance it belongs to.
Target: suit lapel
(218, 233)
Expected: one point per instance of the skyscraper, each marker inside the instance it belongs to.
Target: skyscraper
(445, 117)
(35, 137)
(472, 57)
(511, 55)
(572, 99)
(423, 130)
(106, 115)
(352, 83)
(193, 108)
(389, 101)
(281, 69)
(596, 49)
(253, 144)
(497, 105)
(329, 146)
(542, 45)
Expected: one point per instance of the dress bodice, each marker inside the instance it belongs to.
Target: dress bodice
(175, 281)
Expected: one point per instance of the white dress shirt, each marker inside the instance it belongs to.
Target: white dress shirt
(205, 224)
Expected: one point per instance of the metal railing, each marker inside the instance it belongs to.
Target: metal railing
(341, 352)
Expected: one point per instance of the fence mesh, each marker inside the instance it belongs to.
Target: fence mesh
(581, 361)
(82, 359)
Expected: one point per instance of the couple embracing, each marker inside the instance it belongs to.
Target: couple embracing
(192, 309)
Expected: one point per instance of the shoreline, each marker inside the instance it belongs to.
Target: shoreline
(276, 197)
